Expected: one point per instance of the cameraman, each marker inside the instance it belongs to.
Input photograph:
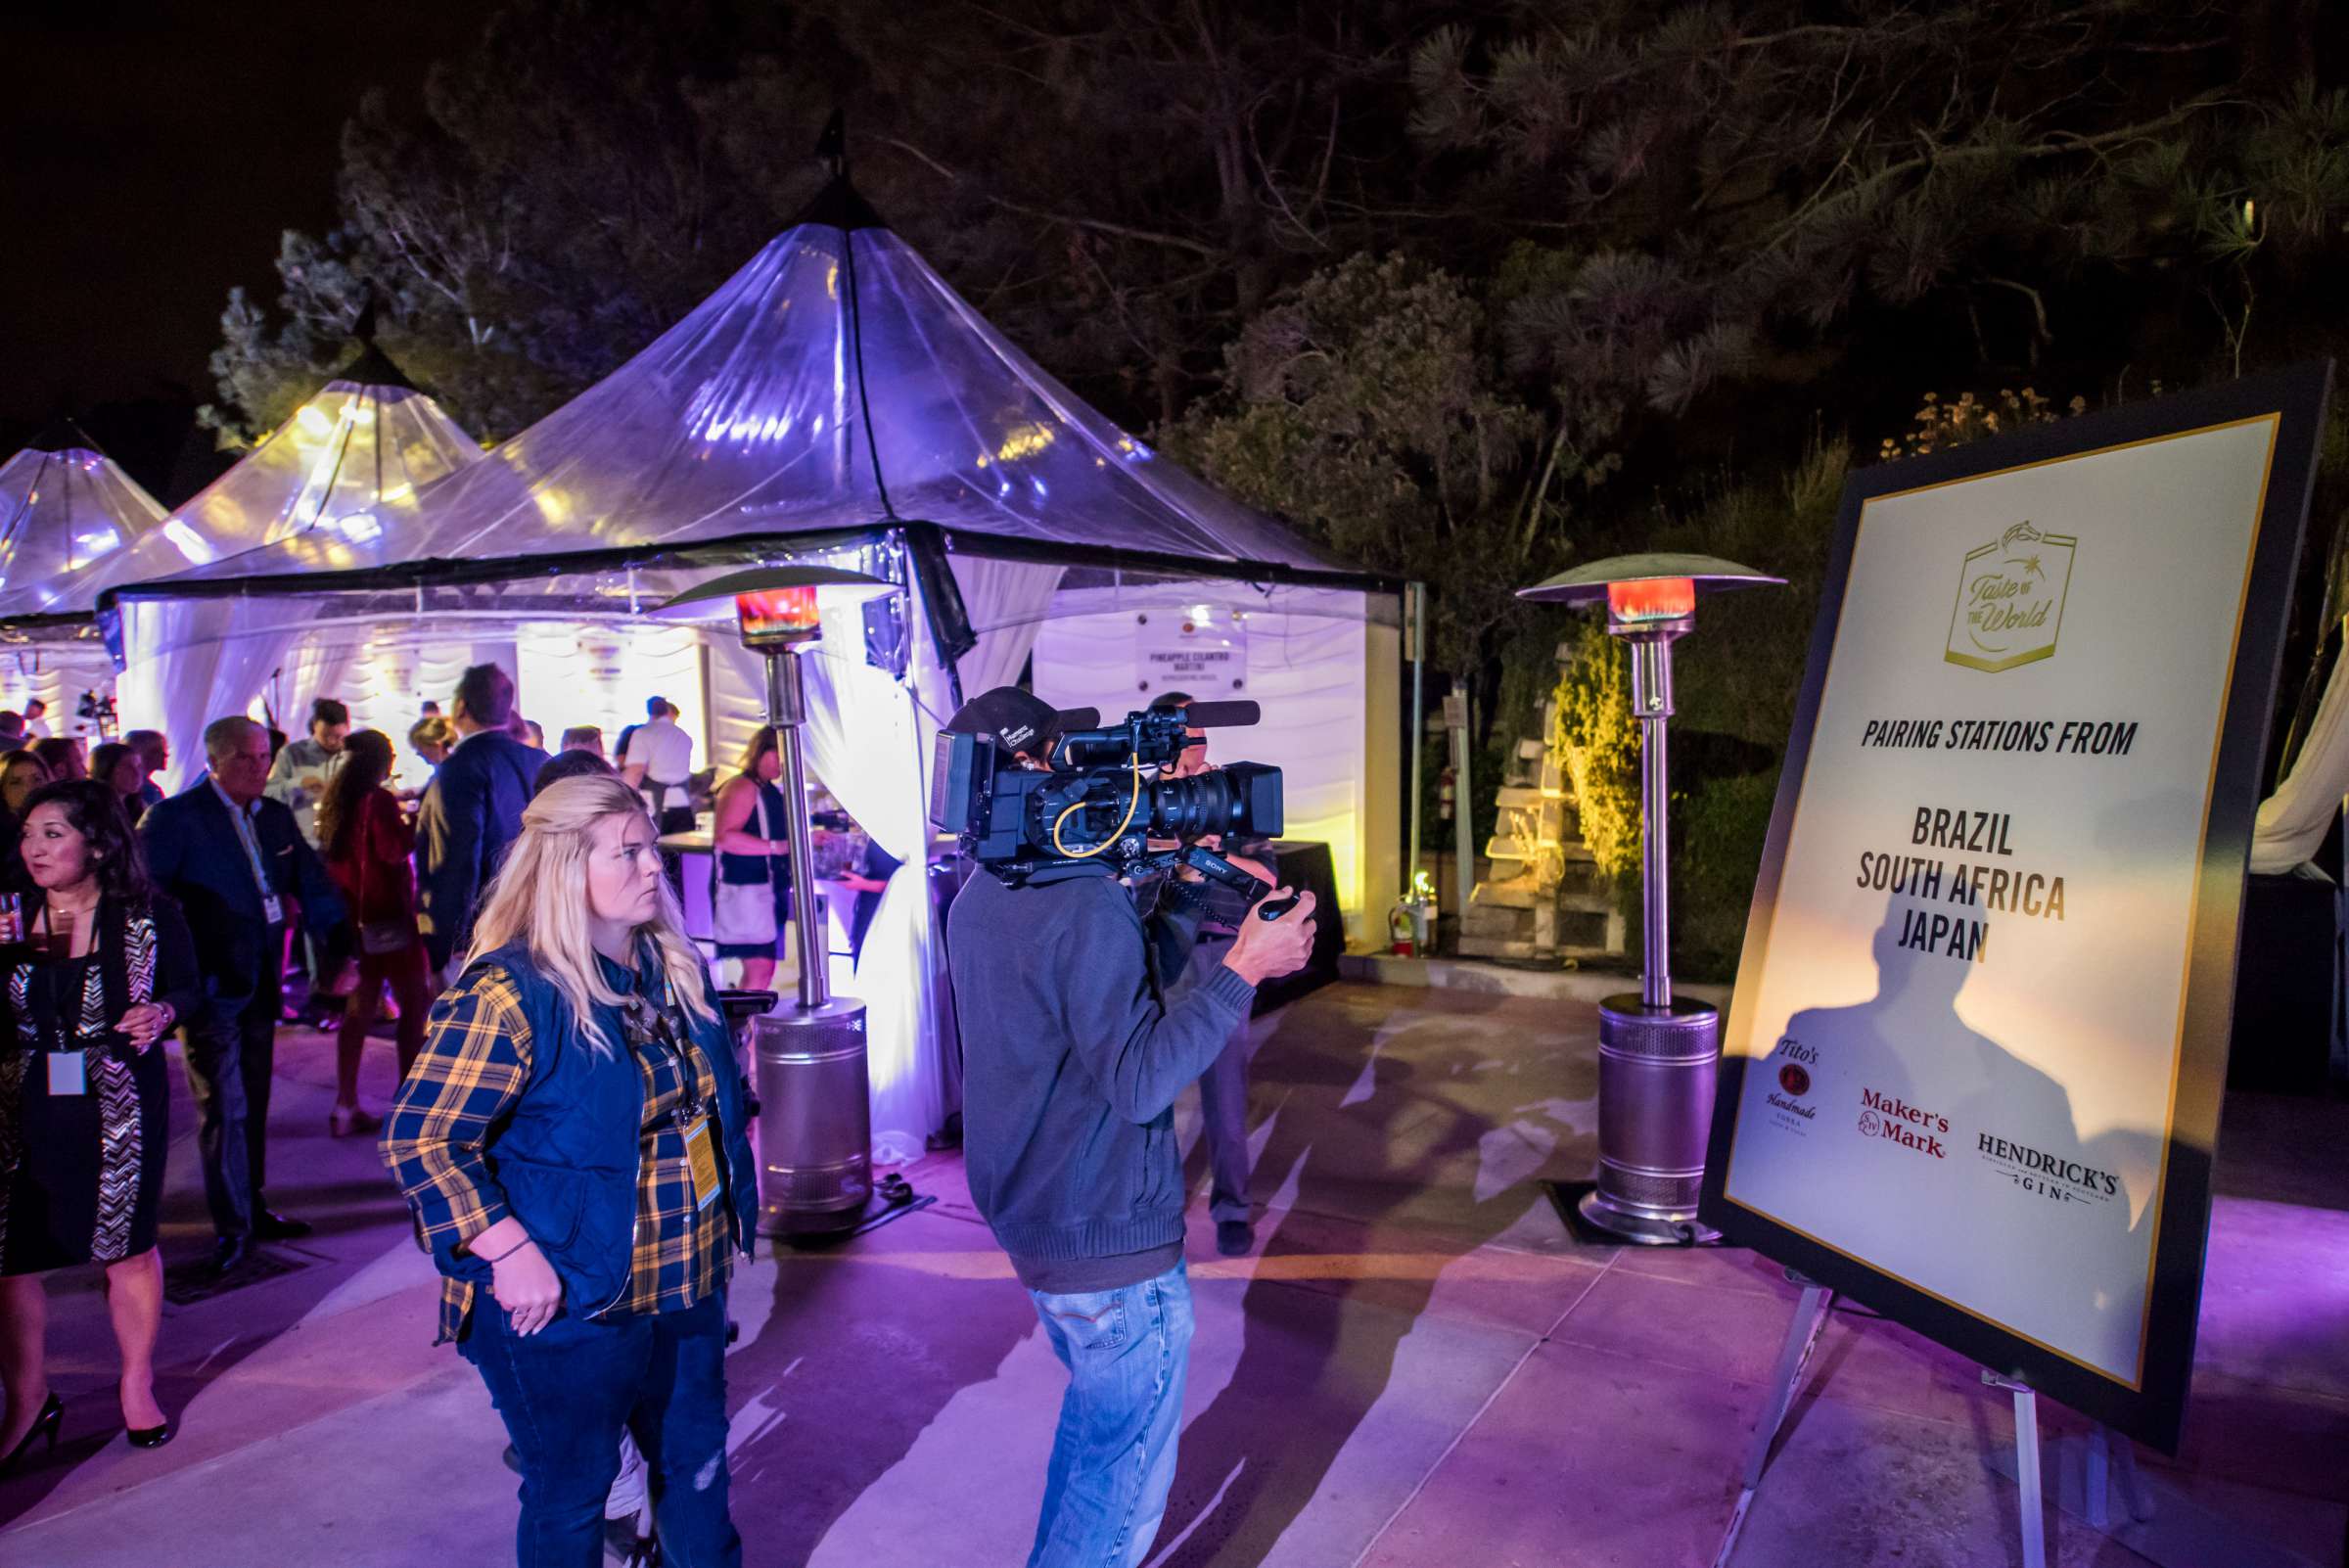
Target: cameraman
(1224, 1086)
(1073, 1058)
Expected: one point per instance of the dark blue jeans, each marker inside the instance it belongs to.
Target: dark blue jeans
(566, 1394)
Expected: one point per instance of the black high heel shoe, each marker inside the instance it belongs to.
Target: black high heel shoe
(45, 1424)
(152, 1437)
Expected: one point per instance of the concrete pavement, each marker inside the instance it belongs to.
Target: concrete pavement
(1420, 1366)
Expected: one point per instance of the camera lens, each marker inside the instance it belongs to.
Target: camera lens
(1242, 799)
(1185, 808)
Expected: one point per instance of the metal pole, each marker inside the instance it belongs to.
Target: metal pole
(1651, 705)
(1655, 958)
(1414, 615)
(1463, 809)
(787, 711)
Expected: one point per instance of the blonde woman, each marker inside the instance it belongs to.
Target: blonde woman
(572, 1139)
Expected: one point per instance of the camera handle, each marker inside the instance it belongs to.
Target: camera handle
(1212, 866)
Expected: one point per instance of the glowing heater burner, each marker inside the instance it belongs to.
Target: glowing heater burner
(778, 618)
(1647, 601)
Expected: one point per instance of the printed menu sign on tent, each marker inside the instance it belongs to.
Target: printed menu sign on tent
(1972, 1071)
(1202, 650)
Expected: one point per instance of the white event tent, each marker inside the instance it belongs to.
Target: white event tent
(349, 463)
(65, 510)
(835, 400)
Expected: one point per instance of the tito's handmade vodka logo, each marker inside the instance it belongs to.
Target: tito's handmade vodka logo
(2010, 600)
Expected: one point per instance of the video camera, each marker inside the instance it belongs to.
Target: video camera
(1099, 803)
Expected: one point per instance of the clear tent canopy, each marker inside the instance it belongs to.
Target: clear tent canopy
(833, 391)
(64, 509)
(349, 463)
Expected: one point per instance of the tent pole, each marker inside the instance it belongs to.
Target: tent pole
(1460, 717)
(1414, 615)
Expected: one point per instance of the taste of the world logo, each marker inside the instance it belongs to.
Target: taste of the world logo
(2010, 600)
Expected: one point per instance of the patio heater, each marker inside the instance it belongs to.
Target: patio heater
(1658, 1058)
(815, 1117)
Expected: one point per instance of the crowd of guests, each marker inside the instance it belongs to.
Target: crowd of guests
(127, 917)
(572, 1123)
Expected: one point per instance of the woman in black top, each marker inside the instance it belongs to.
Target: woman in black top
(103, 969)
(117, 765)
(752, 897)
(19, 776)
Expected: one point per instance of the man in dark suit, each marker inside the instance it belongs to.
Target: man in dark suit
(237, 864)
(472, 812)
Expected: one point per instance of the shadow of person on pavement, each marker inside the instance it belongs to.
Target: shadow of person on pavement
(866, 1342)
(1382, 1169)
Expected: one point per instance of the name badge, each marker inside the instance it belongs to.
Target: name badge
(273, 911)
(701, 1153)
(68, 1074)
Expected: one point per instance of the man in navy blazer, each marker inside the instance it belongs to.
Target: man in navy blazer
(237, 864)
(472, 812)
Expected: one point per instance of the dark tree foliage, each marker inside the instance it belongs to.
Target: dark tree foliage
(1467, 290)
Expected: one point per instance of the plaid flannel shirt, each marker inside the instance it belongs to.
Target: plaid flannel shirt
(475, 1063)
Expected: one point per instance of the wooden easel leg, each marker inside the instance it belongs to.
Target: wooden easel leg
(1802, 1338)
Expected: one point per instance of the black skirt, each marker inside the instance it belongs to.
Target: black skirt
(81, 1176)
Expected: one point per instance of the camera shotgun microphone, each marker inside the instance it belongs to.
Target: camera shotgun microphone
(1221, 715)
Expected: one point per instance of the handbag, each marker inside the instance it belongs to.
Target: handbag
(743, 913)
(380, 937)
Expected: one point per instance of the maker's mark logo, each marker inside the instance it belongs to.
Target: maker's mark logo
(2010, 600)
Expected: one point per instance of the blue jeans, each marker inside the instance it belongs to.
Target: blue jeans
(566, 1393)
(1113, 1457)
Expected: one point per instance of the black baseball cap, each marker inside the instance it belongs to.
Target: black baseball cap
(1017, 721)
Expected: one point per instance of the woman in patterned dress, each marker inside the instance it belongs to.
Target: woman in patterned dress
(102, 970)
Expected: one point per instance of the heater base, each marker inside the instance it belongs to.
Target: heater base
(1656, 1072)
(1642, 1229)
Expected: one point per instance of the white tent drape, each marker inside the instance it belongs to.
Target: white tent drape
(188, 661)
(315, 667)
(1010, 597)
(56, 674)
(2293, 821)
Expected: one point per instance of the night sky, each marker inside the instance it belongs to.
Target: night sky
(153, 152)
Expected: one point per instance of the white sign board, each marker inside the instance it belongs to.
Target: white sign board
(1201, 651)
(2007, 854)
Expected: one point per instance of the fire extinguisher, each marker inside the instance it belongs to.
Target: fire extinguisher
(1402, 938)
(1443, 796)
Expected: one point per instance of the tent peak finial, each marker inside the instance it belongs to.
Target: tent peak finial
(362, 328)
(64, 433)
(372, 367)
(832, 147)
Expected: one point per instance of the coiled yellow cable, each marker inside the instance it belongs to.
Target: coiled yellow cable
(1133, 803)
